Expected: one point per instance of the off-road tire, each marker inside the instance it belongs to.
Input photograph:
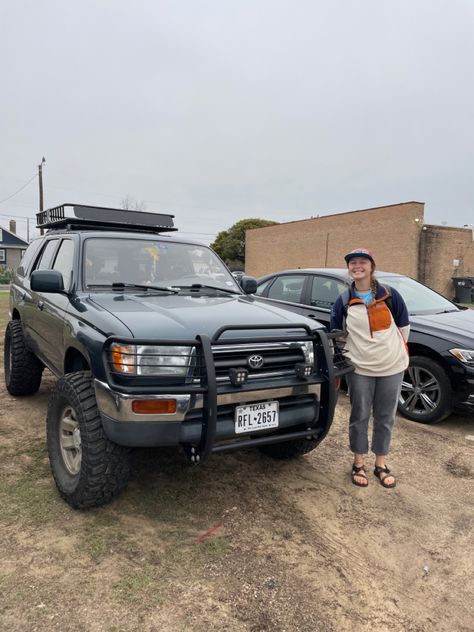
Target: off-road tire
(289, 449)
(419, 373)
(23, 370)
(100, 468)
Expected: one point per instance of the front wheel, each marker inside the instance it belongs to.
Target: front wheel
(426, 394)
(88, 468)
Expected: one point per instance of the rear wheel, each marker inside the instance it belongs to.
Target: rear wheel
(289, 449)
(88, 468)
(23, 370)
(426, 394)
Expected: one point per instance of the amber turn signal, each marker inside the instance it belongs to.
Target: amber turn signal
(154, 406)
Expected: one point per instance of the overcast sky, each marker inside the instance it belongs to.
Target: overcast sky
(220, 110)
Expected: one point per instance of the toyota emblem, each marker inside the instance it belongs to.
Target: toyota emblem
(255, 361)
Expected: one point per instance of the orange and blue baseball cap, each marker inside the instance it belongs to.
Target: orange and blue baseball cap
(359, 252)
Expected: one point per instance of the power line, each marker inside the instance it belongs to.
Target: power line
(20, 189)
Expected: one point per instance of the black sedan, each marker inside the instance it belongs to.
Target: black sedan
(441, 343)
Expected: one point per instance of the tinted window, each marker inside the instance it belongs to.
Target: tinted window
(325, 290)
(64, 260)
(44, 261)
(287, 288)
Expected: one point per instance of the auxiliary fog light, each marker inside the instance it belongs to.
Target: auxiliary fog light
(238, 376)
(303, 370)
(154, 406)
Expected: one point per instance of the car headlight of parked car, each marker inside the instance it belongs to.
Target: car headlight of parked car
(150, 359)
(464, 355)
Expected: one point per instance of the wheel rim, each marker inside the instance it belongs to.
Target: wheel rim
(421, 391)
(70, 441)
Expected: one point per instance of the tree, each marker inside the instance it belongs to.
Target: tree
(230, 244)
(129, 203)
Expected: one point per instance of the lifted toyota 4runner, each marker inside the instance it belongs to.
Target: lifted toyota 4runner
(154, 343)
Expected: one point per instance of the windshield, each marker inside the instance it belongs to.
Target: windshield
(152, 262)
(419, 298)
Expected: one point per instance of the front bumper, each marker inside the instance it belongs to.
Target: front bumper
(465, 396)
(299, 404)
(205, 407)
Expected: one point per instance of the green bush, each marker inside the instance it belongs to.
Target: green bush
(5, 275)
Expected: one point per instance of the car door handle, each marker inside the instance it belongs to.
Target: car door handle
(311, 316)
(40, 305)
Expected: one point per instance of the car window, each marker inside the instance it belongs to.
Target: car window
(64, 260)
(419, 298)
(153, 262)
(325, 290)
(261, 287)
(46, 256)
(287, 288)
(28, 256)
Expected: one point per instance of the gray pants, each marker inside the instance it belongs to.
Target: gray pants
(378, 395)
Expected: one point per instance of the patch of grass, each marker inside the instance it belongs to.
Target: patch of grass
(38, 467)
(95, 547)
(30, 496)
(99, 536)
(4, 305)
(138, 587)
(217, 546)
(23, 499)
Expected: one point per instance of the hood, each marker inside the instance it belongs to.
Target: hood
(181, 316)
(457, 327)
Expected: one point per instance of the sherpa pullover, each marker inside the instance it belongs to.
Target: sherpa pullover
(376, 337)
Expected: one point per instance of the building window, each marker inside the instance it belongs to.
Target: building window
(2, 255)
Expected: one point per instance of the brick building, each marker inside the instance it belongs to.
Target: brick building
(396, 233)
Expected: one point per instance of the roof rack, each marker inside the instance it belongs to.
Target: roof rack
(93, 217)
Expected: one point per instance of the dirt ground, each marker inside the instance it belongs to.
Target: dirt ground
(242, 543)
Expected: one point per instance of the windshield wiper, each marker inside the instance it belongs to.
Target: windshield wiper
(448, 311)
(140, 286)
(198, 286)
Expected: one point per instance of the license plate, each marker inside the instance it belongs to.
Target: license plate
(256, 417)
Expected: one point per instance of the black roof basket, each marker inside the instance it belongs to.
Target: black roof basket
(94, 217)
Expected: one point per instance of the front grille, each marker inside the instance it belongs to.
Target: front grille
(277, 359)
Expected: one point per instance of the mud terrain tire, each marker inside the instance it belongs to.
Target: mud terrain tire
(23, 370)
(289, 449)
(89, 469)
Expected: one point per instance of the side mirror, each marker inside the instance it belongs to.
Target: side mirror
(47, 281)
(249, 284)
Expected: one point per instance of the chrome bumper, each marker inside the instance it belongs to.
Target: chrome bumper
(118, 406)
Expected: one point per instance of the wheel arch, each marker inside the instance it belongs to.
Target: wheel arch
(417, 349)
(75, 360)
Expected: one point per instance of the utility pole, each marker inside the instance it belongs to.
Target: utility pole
(40, 180)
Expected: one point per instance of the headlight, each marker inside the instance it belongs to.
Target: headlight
(463, 355)
(150, 359)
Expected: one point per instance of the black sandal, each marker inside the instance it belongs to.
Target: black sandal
(378, 471)
(356, 472)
